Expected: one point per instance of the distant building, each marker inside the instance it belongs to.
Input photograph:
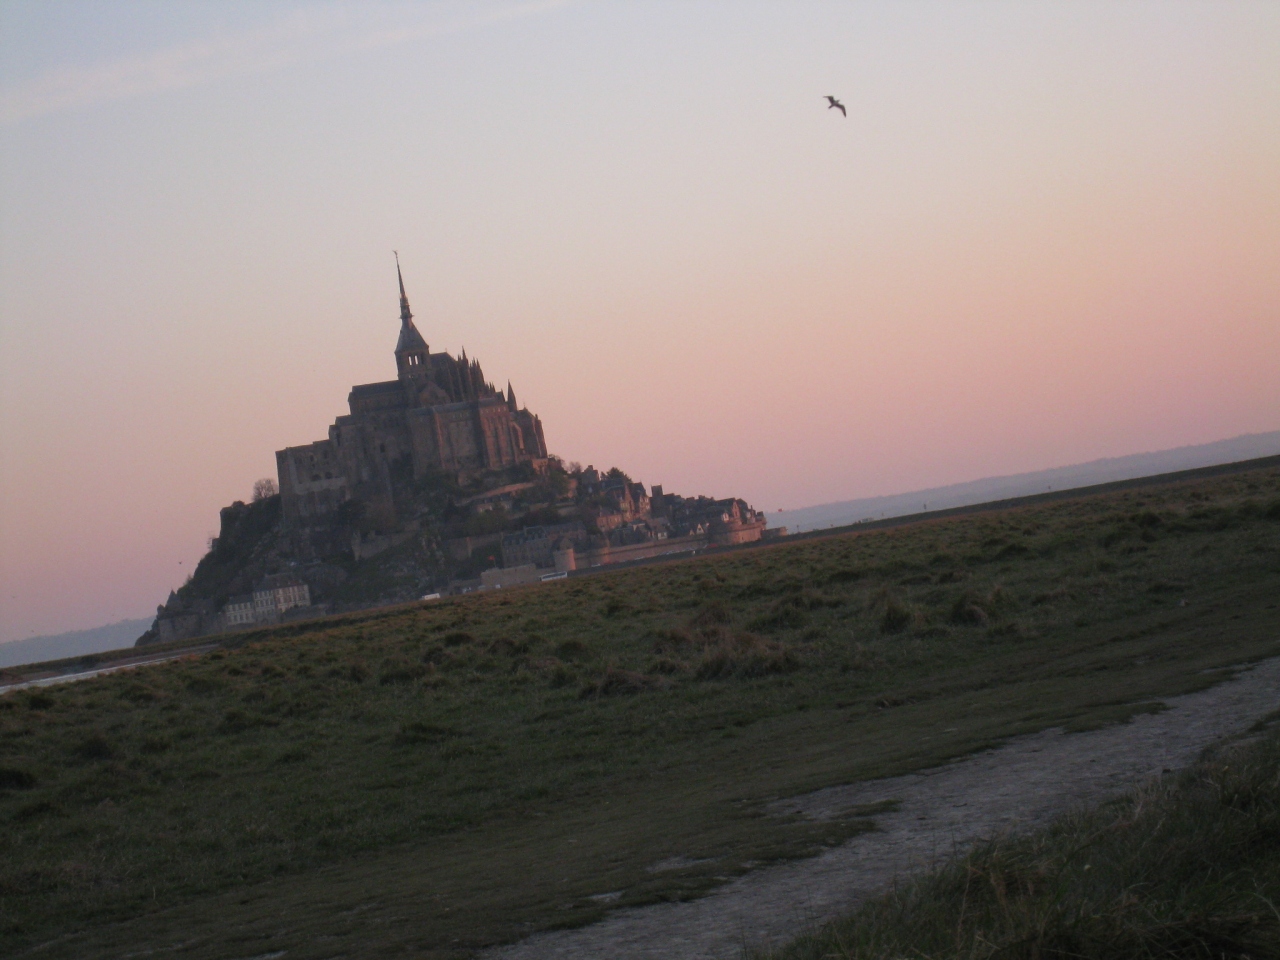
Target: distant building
(271, 598)
(537, 545)
(238, 611)
(438, 415)
(451, 472)
(275, 594)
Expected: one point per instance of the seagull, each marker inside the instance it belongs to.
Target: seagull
(834, 104)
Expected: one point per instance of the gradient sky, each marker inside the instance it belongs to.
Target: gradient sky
(1046, 233)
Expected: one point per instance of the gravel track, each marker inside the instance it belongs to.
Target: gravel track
(1019, 786)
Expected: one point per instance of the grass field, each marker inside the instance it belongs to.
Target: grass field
(1187, 867)
(432, 779)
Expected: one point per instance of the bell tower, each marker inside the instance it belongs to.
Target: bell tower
(411, 349)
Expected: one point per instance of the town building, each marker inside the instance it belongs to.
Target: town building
(271, 598)
(238, 611)
(273, 595)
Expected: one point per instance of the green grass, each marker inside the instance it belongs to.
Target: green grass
(1187, 867)
(432, 779)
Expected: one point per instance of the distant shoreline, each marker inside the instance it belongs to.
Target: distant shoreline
(1244, 448)
(73, 643)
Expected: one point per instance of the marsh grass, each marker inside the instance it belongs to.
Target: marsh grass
(1185, 868)
(470, 770)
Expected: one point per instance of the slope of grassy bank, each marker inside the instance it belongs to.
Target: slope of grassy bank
(433, 779)
(1187, 867)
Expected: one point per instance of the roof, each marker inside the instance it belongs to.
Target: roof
(374, 389)
(410, 338)
(275, 580)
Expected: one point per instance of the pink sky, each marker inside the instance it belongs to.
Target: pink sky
(1045, 233)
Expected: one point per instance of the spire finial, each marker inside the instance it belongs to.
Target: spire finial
(405, 314)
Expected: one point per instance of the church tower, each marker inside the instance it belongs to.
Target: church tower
(411, 349)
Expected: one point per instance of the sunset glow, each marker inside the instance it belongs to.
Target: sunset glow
(1045, 233)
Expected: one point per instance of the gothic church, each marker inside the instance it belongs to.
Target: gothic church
(438, 415)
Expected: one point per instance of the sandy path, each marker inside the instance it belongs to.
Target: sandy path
(1021, 785)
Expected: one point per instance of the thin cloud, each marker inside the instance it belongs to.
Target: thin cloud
(305, 34)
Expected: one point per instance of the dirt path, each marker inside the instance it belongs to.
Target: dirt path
(1021, 785)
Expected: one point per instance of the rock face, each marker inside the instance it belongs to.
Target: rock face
(559, 520)
(246, 555)
(240, 554)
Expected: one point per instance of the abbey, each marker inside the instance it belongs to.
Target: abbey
(438, 416)
(435, 482)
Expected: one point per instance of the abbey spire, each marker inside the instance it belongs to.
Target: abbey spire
(411, 349)
(405, 314)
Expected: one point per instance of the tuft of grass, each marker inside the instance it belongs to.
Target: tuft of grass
(401, 670)
(573, 649)
(615, 681)
(1184, 868)
(15, 778)
(980, 609)
(729, 653)
(94, 747)
(897, 616)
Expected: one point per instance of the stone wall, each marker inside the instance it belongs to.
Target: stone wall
(510, 576)
(639, 551)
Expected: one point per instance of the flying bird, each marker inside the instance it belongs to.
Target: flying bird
(834, 104)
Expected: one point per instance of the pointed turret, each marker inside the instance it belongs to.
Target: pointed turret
(511, 398)
(483, 387)
(464, 375)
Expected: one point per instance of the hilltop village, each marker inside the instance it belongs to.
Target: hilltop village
(435, 482)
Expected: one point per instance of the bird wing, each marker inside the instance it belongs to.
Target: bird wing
(842, 110)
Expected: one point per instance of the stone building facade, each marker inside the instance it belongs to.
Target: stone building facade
(440, 415)
(271, 598)
(238, 611)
